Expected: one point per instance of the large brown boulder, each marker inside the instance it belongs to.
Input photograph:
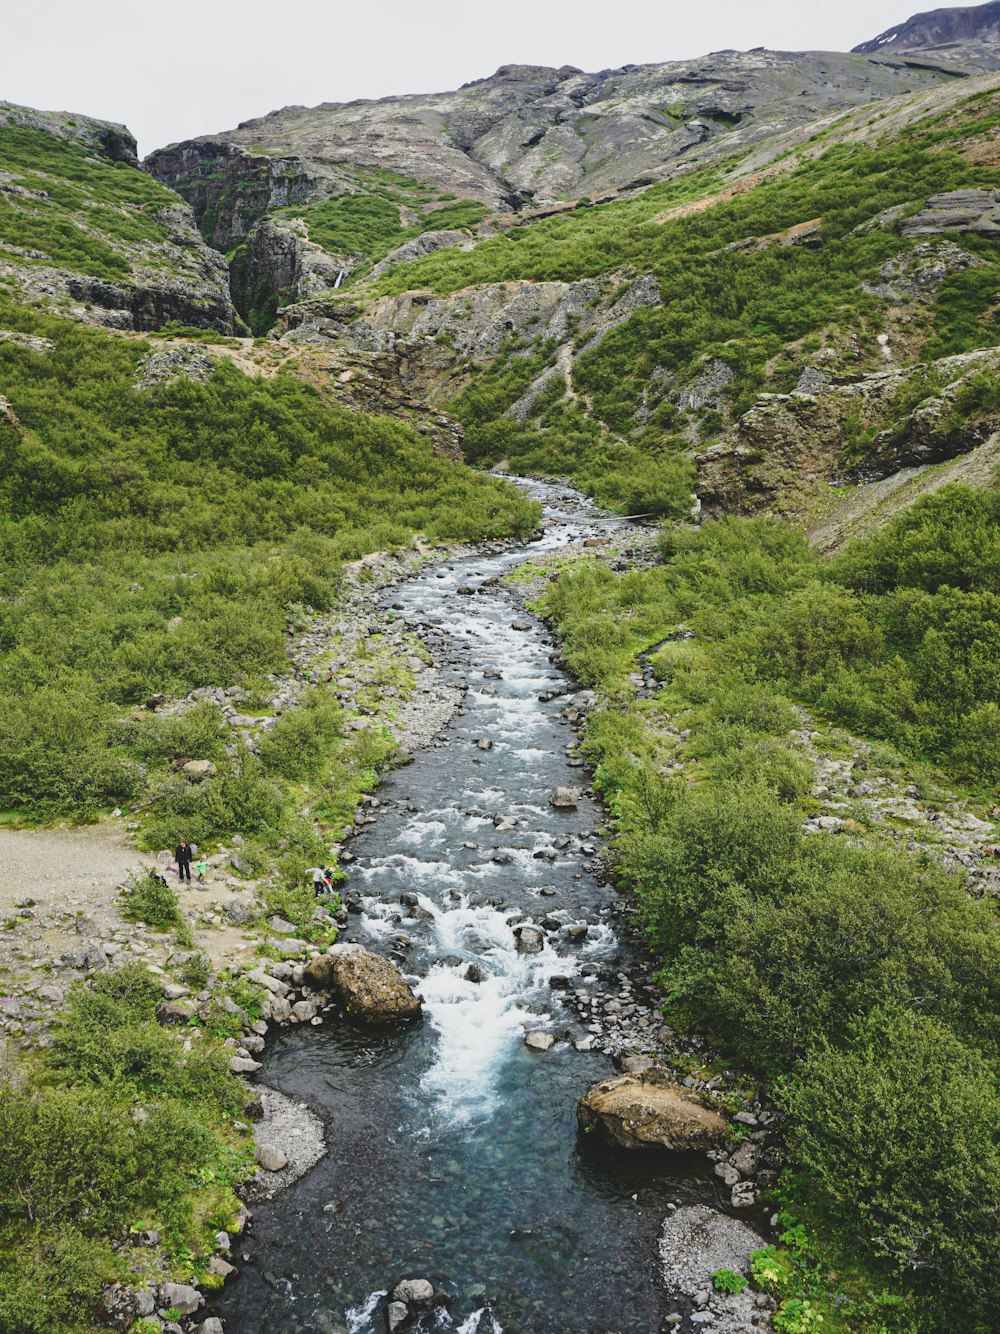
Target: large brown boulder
(638, 1111)
(370, 988)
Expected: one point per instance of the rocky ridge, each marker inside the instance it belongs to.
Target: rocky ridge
(962, 37)
(527, 137)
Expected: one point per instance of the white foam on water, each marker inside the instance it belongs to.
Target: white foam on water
(474, 1323)
(359, 1318)
(478, 1024)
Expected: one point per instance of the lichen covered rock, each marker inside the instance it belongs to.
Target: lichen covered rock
(643, 1111)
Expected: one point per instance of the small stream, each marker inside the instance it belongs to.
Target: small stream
(453, 1152)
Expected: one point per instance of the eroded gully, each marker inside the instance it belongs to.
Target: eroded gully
(453, 1151)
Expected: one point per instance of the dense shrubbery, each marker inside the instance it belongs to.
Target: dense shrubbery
(154, 541)
(859, 977)
(112, 1132)
(561, 440)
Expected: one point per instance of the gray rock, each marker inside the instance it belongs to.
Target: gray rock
(565, 798)
(243, 1065)
(270, 1158)
(414, 1292)
(530, 940)
(182, 1297)
(539, 1041)
(397, 1314)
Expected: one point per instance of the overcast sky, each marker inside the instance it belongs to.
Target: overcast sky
(178, 68)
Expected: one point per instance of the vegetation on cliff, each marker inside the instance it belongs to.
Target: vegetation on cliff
(761, 275)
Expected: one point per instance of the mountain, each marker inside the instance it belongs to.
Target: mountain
(357, 180)
(964, 37)
(85, 232)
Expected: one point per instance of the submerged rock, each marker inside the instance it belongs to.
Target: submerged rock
(637, 1111)
(370, 987)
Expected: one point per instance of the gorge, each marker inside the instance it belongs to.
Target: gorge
(564, 511)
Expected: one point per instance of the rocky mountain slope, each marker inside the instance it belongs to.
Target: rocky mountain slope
(960, 38)
(293, 186)
(667, 327)
(86, 233)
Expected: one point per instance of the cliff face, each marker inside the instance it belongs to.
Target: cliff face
(88, 234)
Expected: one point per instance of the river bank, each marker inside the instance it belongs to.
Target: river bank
(586, 988)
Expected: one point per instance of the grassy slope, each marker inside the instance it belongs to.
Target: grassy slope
(79, 211)
(735, 285)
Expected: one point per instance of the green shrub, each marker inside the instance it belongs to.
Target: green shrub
(300, 744)
(898, 1138)
(147, 898)
(52, 1282)
(727, 1280)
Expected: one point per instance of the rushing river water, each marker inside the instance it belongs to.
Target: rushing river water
(453, 1152)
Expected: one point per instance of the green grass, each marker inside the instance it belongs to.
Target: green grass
(370, 224)
(82, 210)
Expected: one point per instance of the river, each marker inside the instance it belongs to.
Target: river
(453, 1152)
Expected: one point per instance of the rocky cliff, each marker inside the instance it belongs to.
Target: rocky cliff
(88, 234)
(527, 137)
(958, 38)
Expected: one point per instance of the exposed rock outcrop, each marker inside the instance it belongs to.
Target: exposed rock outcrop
(648, 1110)
(526, 133)
(964, 37)
(787, 444)
(975, 211)
(280, 265)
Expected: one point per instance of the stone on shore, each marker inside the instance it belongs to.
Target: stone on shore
(696, 1242)
(371, 988)
(270, 1158)
(182, 1297)
(638, 1111)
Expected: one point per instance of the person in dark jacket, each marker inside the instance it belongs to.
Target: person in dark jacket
(183, 856)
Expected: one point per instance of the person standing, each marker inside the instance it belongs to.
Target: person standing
(183, 857)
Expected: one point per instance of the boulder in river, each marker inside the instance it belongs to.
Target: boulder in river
(639, 1111)
(414, 1292)
(537, 1040)
(530, 940)
(565, 798)
(370, 987)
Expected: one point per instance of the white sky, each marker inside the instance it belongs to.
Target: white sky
(177, 68)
